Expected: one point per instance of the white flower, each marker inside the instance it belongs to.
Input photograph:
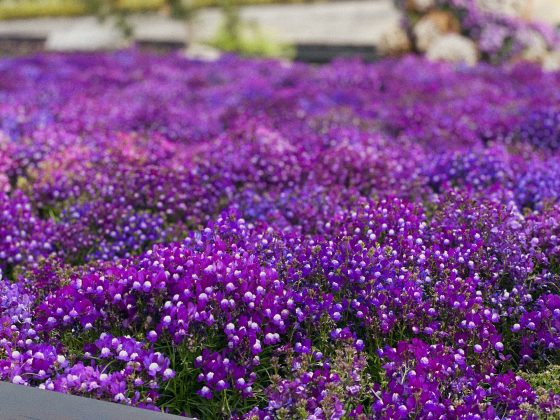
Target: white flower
(18, 380)
(120, 397)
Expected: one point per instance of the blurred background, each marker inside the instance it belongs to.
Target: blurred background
(314, 31)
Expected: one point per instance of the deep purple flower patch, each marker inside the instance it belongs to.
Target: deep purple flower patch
(255, 239)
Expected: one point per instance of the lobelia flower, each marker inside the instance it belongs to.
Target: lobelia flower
(266, 240)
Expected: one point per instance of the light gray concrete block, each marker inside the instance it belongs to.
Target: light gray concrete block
(85, 34)
(24, 403)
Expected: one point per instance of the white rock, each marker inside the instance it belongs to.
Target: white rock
(426, 32)
(513, 8)
(87, 34)
(536, 47)
(422, 5)
(547, 11)
(202, 52)
(454, 48)
(551, 61)
(394, 41)
(432, 26)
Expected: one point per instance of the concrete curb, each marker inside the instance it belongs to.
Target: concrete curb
(351, 22)
(20, 402)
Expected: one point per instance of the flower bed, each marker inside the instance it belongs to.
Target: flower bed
(253, 239)
(495, 31)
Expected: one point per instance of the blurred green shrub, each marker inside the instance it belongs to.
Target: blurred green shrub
(251, 41)
(245, 38)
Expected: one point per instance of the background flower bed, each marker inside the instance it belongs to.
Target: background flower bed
(495, 31)
(250, 238)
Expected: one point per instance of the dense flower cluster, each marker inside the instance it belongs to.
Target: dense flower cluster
(492, 30)
(255, 239)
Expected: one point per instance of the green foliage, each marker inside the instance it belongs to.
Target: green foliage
(26, 9)
(179, 395)
(180, 9)
(545, 381)
(105, 9)
(19, 9)
(246, 38)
